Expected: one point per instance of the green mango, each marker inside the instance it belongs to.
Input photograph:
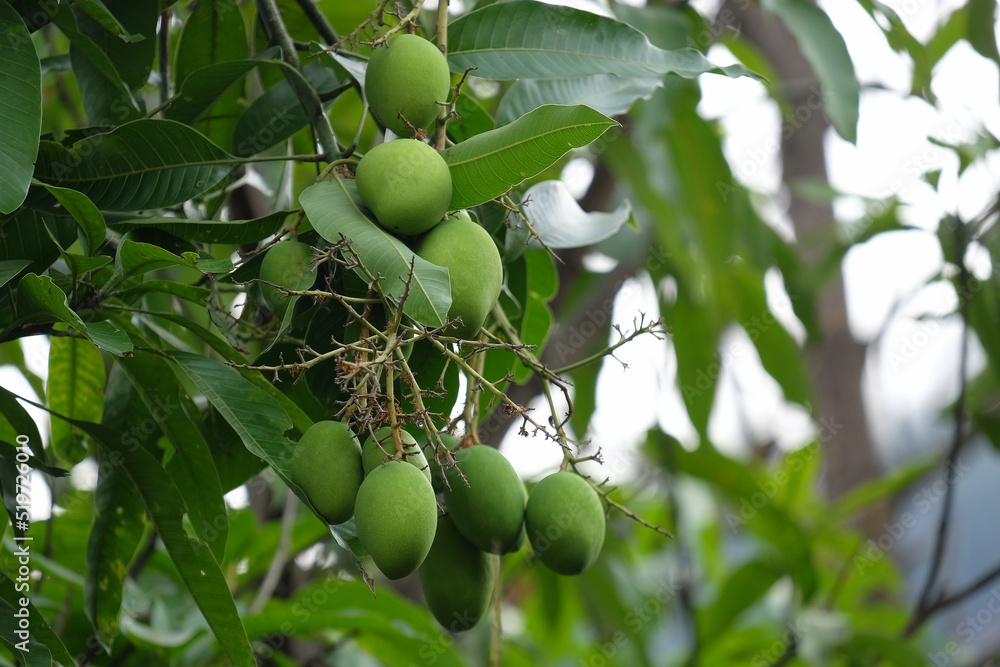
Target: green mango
(457, 578)
(289, 264)
(396, 516)
(489, 512)
(374, 454)
(408, 76)
(406, 184)
(565, 522)
(326, 465)
(474, 266)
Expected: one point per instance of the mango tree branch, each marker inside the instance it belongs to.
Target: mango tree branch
(278, 35)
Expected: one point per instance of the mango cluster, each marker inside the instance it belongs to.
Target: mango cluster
(390, 489)
(406, 184)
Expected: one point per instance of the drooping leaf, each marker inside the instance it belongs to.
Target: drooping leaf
(202, 87)
(333, 211)
(27, 649)
(533, 40)
(135, 258)
(194, 561)
(20, 109)
(144, 164)
(78, 393)
(191, 465)
(99, 12)
(982, 19)
(557, 218)
(132, 58)
(40, 300)
(695, 336)
(744, 587)
(489, 164)
(214, 32)
(114, 542)
(9, 268)
(84, 212)
(192, 293)
(542, 286)
(608, 93)
(210, 231)
(826, 52)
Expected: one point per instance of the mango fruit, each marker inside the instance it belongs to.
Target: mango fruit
(406, 184)
(326, 465)
(474, 266)
(286, 263)
(457, 578)
(489, 512)
(408, 76)
(565, 522)
(396, 516)
(382, 448)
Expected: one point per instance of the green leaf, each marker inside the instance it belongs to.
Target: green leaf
(97, 10)
(26, 649)
(213, 32)
(203, 87)
(78, 394)
(191, 293)
(278, 113)
(9, 268)
(557, 218)
(390, 628)
(542, 286)
(192, 557)
(744, 587)
(143, 164)
(826, 52)
(135, 258)
(885, 487)
(333, 211)
(610, 94)
(40, 300)
(779, 353)
(115, 540)
(26, 236)
(259, 421)
(85, 213)
(489, 164)
(132, 58)
(695, 336)
(533, 40)
(982, 19)
(20, 109)
(472, 119)
(191, 466)
(210, 231)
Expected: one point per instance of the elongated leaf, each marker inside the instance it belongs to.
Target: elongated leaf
(695, 335)
(213, 32)
(132, 58)
(542, 284)
(332, 212)
(20, 108)
(140, 165)
(191, 466)
(27, 650)
(982, 19)
(191, 293)
(259, 421)
(78, 393)
(114, 542)
(533, 40)
(40, 629)
(826, 52)
(40, 300)
(9, 268)
(560, 222)
(84, 212)
(198, 568)
(744, 588)
(489, 164)
(608, 93)
(204, 86)
(97, 10)
(135, 258)
(210, 231)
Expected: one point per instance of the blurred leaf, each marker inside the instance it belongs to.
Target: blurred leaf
(192, 557)
(869, 648)
(98, 11)
(695, 336)
(114, 543)
(79, 394)
(134, 259)
(989, 425)
(20, 109)
(191, 466)
(144, 164)
(472, 119)
(542, 286)
(210, 231)
(982, 20)
(888, 486)
(609, 94)
(85, 213)
(333, 212)
(532, 40)
(826, 52)
(558, 219)
(392, 629)
(489, 164)
(132, 58)
(213, 32)
(744, 587)
(190, 293)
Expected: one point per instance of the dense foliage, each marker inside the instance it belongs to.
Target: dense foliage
(153, 156)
